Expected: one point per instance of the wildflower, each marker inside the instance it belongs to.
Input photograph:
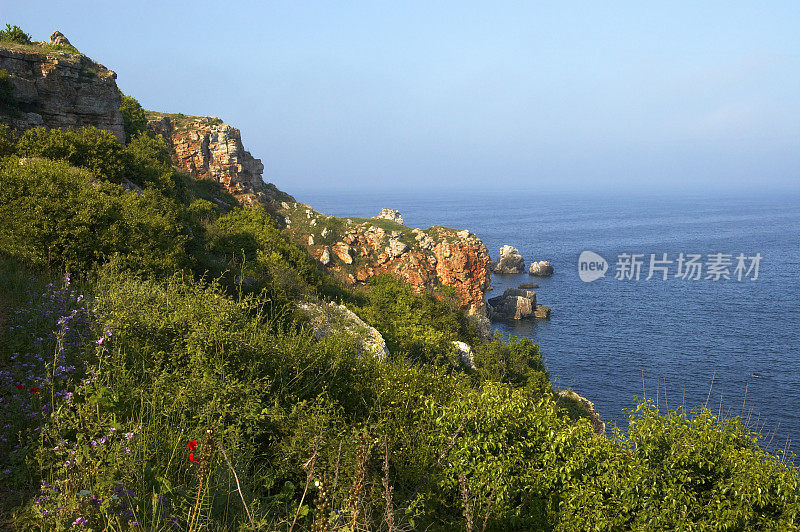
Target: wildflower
(128, 435)
(192, 458)
(35, 389)
(80, 521)
(192, 445)
(19, 386)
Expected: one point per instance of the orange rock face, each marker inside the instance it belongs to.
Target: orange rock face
(210, 149)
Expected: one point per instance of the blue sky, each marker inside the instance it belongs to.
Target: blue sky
(557, 96)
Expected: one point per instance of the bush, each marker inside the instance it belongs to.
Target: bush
(133, 117)
(90, 148)
(420, 327)
(54, 215)
(14, 34)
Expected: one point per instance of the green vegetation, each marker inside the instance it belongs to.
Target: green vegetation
(182, 121)
(14, 34)
(133, 117)
(169, 381)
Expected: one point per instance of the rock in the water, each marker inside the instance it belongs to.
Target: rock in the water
(541, 269)
(514, 304)
(580, 407)
(528, 286)
(542, 312)
(390, 214)
(58, 38)
(465, 356)
(510, 261)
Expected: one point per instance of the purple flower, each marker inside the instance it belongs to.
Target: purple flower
(80, 521)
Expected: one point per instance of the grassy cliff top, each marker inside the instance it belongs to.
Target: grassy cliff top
(183, 121)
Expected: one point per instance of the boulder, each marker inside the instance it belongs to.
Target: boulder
(517, 304)
(327, 317)
(528, 285)
(465, 356)
(510, 261)
(396, 248)
(390, 214)
(325, 258)
(344, 252)
(58, 38)
(541, 269)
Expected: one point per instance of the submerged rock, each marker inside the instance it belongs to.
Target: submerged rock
(541, 269)
(528, 286)
(510, 261)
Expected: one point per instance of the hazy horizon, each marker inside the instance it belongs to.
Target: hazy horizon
(568, 97)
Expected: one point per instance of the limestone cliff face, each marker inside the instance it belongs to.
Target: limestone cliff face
(210, 149)
(58, 89)
(355, 249)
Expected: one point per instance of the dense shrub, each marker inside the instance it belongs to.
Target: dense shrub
(421, 327)
(90, 148)
(133, 117)
(14, 34)
(54, 215)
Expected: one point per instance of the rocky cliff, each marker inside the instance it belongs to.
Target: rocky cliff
(59, 88)
(211, 149)
(355, 249)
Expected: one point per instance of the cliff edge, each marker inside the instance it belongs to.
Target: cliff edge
(58, 88)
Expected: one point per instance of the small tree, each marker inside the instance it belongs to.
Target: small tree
(14, 34)
(133, 117)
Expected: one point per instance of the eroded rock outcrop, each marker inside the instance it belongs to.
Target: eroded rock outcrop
(210, 149)
(390, 214)
(426, 259)
(59, 89)
(517, 304)
(509, 261)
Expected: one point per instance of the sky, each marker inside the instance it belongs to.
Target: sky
(435, 95)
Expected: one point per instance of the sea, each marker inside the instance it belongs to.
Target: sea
(729, 344)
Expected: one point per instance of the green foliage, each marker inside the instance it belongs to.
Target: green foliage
(54, 215)
(90, 148)
(421, 327)
(133, 117)
(8, 144)
(247, 243)
(516, 361)
(14, 34)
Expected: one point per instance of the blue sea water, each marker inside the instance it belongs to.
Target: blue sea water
(604, 336)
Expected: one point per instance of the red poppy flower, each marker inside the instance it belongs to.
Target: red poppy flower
(192, 458)
(192, 445)
(34, 390)
(19, 387)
